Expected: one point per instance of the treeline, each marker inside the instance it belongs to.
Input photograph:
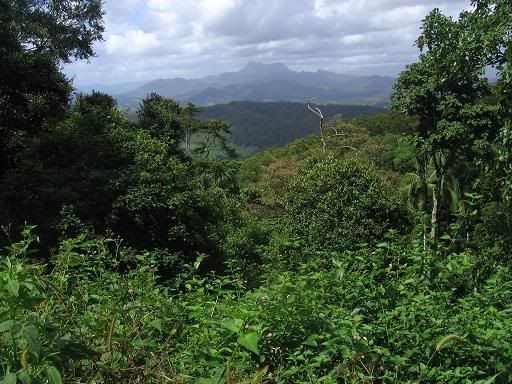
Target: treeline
(264, 125)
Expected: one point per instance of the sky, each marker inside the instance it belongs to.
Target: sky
(153, 39)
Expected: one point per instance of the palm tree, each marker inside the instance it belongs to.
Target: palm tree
(429, 188)
(220, 174)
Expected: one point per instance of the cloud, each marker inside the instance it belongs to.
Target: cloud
(148, 39)
(131, 43)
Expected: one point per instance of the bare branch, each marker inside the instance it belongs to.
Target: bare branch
(318, 112)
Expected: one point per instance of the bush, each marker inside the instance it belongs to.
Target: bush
(336, 204)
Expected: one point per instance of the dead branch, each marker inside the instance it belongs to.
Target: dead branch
(318, 112)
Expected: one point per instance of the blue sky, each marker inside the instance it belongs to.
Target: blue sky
(150, 39)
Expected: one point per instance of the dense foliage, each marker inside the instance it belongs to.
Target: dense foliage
(129, 255)
(338, 204)
(109, 174)
(263, 125)
(35, 38)
(391, 313)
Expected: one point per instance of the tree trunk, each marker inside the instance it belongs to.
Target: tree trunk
(436, 196)
(318, 112)
(324, 144)
(187, 140)
(424, 225)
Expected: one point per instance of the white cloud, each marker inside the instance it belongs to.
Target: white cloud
(131, 43)
(354, 39)
(148, 39)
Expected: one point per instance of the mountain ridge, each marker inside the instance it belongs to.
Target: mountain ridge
(268, 82)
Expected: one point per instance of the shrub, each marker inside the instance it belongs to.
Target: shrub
(337, 204)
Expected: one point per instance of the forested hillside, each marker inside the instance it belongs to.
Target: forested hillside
(377, 250)
(263, 125)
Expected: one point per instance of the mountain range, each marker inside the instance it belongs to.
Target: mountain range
(262, 82)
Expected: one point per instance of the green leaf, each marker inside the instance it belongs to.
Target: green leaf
(31, 335)
(10, 378)
(29, 286)
(24, 377)
(250, 341)
(311, 341)
(53, 375)
(13, 287)
(215, 379)
(233, 325)
(16, 329)
(6, 325)
(198, 261)
(490, 380)
(157, 324)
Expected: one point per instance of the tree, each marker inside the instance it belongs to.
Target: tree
(95, 169)
(275, 179)
(419, 186)
(193, 125)
(345, 135)
(337, 204)
(59, 29)
(490, 27)
(85, 102)
(219, 174)
(447, 93)
(80, 162)
(213, 135)
(36, 36)
(163, 118)
(166, 120)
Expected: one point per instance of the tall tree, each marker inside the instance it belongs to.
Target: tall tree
(193, 125)
(164, 119)
(447, 92)
(490, 33)
(213, 135)
(36, 37)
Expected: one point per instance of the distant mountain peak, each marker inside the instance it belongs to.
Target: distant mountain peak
(255, 67)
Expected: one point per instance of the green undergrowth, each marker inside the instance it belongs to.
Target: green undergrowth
(384, 314)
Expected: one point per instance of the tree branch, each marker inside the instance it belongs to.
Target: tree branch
(318, 112)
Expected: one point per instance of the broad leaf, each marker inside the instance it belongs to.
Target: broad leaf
(233, 325)
(10, 378)
(157, 324)
(6, 325)
(24, 377)
(53, 375)
(13, 287)
(311, 341)
(250, 341)
(31, 335)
